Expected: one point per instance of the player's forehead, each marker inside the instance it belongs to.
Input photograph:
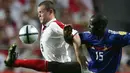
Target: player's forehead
(41, 8)
(95, 22)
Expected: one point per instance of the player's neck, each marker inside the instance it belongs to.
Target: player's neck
(49, 19)
(100, 35)
(52, 16)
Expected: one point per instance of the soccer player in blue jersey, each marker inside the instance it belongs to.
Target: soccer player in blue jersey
(103, 45)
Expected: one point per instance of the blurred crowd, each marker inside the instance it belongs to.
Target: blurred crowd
(16, 13)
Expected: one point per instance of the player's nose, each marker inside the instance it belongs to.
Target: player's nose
(39, 15)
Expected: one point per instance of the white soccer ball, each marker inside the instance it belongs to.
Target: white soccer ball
(28, 34)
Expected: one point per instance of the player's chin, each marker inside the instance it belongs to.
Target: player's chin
(41, 22)
(96, 31)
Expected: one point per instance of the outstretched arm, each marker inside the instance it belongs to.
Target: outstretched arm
(122, 38)
(78, 51)
(125, 37)
(75, 41)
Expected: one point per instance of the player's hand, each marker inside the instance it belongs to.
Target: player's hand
(68, 34)
(12, 56)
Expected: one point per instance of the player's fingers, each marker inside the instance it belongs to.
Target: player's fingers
(14, 55)
(67, 30)
(12, 48)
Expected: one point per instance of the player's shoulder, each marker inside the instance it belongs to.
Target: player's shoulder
(57, 23)
(112, 31)
(85, 33)
(117, 32)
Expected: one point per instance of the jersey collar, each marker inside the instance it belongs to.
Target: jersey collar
(105, 34)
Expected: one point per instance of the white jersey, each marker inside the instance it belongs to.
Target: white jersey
(52, 44)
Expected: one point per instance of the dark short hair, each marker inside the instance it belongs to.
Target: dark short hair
(99, 18)
(48, 5)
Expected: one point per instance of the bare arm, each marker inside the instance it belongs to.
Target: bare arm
(78, 51)
(76, 45)
(75, 41)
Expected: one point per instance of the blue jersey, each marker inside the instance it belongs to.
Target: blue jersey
(106, 52)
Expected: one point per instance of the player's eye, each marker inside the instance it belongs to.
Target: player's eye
(43, 11)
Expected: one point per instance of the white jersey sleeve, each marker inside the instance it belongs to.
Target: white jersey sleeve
(58, 27)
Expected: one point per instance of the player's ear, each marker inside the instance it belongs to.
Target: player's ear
(51, 11)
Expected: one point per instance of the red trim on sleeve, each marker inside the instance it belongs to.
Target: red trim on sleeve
(60, 24)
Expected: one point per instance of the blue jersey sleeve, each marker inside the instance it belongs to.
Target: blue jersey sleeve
(125, 38)
(121, 38)
(84, 36)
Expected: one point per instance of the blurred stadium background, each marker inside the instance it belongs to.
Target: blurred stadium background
(16, 13)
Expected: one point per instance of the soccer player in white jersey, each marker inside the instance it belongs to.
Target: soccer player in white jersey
(52, 44)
